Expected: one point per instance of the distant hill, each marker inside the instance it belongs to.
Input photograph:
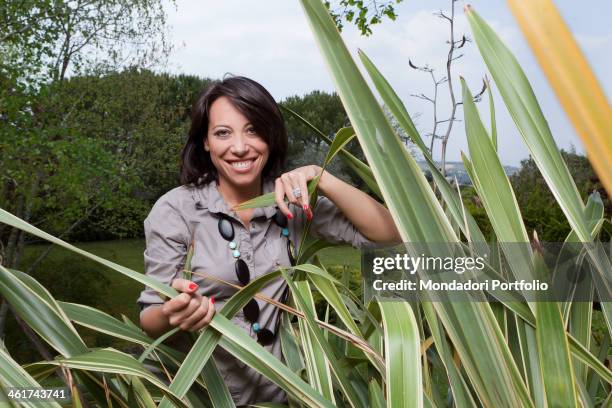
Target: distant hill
(457, 169)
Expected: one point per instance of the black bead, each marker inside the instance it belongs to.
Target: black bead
(242, 272)
(226, 229)
(280, 219)
(265, 337)
(251, 311)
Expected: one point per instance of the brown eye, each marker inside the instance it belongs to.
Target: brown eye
(222, 132)
(252, 131)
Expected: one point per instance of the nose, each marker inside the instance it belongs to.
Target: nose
(239, 145)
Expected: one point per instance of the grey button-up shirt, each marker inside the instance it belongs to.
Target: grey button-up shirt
(188, 211)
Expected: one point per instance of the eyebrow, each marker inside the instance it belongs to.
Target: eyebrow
(221, 125)
(228, 126)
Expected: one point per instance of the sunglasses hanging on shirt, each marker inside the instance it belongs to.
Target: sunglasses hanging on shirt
(251, 310)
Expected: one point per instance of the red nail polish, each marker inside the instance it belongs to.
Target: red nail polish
(192, 286)
(212, 300)
(309, 214)
(306, 207)
(290, 216)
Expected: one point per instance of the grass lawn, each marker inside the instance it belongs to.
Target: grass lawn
(119, 293)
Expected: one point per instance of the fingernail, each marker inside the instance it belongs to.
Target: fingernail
(212, 300)
(305, 207)
(309, 214)
(193, 286)
(290, 216)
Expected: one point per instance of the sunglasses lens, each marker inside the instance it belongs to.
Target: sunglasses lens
(242, 272)
(251, 311)
(265, 337)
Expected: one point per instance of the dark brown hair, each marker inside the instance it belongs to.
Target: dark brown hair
(257, 105)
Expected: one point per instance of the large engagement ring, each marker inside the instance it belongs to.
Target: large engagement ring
(297, 193)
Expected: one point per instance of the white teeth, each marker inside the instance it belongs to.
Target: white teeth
(242, 164)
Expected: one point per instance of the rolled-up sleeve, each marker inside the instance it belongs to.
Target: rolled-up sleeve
(166, 235)
(331, 224)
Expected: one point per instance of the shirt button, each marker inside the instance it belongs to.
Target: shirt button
(248, 257)
(277, 262)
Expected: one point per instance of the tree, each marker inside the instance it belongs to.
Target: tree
(42, 41)
(454, 45)
(322, 109)
(142, 119)
(103, 36)
(538, 206)
(360, 14)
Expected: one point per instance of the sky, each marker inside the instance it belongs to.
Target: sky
(271, 42)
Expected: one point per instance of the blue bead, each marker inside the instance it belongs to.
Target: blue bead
(286, 232)
(256, 327)
(236, 253)
(233, 245)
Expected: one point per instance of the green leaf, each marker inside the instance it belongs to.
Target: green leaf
(244, 348)
(394, 103)
(402, 355)
(553, 351)
(524, 109)
(10, 219)
(492, 110)
(317, 365)
(343, 136)
(47, 321)
(209, 337)
(339, 371)
(13, 375)
(360, 168)
(216, 387)
(269, 199)
(109, 360)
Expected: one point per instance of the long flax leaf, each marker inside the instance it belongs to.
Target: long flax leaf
(317, 364)
(340, 372)
(13, 375)
(502, 208)
(13, 221)
(524, 109)
(359, 167)
(402, 355)
(113, 361)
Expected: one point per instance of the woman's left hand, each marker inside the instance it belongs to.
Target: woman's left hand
(289, 182)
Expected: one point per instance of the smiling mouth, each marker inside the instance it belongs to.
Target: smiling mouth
(242, 165)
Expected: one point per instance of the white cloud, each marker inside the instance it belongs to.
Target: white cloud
(272, 43)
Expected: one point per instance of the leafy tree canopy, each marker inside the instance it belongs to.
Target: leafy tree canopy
(361, 13)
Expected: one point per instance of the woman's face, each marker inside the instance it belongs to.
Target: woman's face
(236, 150)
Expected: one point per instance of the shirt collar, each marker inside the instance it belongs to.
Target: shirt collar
(208, 196)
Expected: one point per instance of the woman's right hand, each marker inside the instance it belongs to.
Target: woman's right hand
(189, 310)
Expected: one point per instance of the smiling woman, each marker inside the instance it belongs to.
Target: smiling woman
(235, 107)
(235, 152)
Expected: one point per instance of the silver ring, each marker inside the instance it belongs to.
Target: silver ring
(297, 192)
